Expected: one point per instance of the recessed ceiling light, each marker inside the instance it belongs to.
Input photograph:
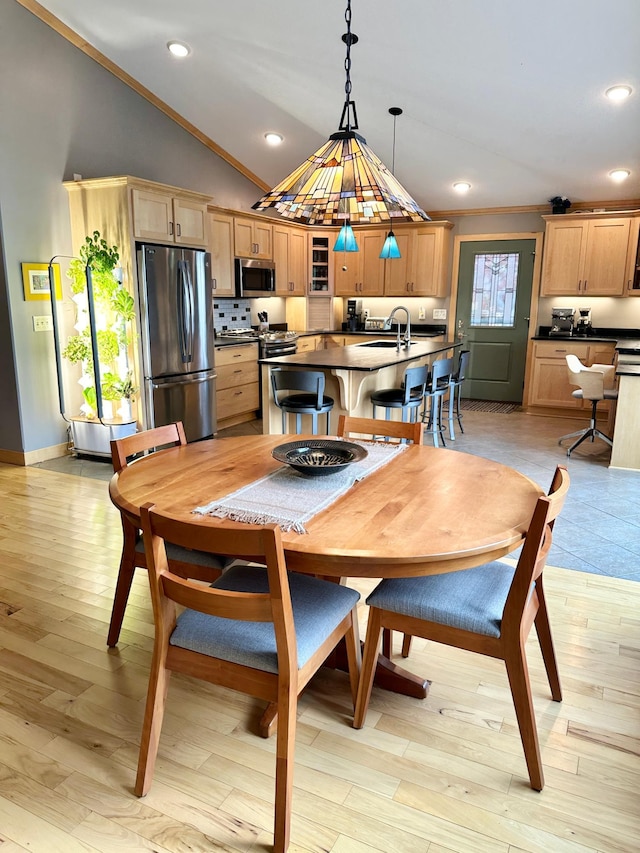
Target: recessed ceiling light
(618, 93)
(273, 138)
(619, 175)
(178, 48)
(462, 186)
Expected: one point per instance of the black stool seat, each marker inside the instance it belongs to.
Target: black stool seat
(408, 397)
(310, 401)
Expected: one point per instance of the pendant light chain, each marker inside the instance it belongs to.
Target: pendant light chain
(348, 38)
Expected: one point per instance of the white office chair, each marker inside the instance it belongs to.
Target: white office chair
(594, 383)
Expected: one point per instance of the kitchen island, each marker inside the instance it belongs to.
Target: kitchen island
(351, 374)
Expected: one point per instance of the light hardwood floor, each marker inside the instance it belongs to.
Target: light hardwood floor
(441, 775)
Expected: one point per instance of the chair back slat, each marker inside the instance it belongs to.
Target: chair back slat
(536, 547)
(262, 542)
(142, 442)
(375, 426)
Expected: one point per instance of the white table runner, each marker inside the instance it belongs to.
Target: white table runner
(290, 499)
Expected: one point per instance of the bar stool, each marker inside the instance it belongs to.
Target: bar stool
(311, 402)
(438, 385)
(455, 391)
(408, 397)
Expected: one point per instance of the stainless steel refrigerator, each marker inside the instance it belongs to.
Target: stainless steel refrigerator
(176, 337)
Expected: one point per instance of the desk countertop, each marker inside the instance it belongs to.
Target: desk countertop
(362, 358)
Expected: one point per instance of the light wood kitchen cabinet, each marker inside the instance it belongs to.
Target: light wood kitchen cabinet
(290, 256)
(586, 255)
(253, 238)
(423, 266)
(220, 247)
(310, 343)
(431, 251)
(364, 273)
(321, 263)
(421, 269)
(548, 381)
(163, 217)
(632, 274)
(237, 388)
(399, 279)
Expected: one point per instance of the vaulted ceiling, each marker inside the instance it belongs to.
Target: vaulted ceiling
(506, 95)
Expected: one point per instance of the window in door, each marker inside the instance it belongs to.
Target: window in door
(495, 280)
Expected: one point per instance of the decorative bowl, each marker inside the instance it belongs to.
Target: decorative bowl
(319, 457)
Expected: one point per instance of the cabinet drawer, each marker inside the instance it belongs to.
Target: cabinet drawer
(560, 350)
(233, 355)
(241, 373)
(236, 401)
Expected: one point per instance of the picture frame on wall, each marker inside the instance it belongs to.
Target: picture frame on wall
(35, 279)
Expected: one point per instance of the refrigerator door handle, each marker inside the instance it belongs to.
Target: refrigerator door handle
(184, 302)
(189, 319)
(156, 385)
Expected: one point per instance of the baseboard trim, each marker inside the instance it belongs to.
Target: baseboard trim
(32, 457)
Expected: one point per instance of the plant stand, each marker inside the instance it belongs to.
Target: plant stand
(93, 437)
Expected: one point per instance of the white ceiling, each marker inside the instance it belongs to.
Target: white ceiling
(507, 95)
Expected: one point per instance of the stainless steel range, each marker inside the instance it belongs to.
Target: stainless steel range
(272, 343)
(278, 343)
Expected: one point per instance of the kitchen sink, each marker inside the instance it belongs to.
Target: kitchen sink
(386, 344)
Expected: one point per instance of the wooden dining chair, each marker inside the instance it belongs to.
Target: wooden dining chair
(207, 566)
(258, 629)
(488, 609)
(376, 427)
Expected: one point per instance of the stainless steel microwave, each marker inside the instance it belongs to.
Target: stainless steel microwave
(255, 277)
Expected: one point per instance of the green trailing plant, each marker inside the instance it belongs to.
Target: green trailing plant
(103, 259)
(114, 388)
(78, 349)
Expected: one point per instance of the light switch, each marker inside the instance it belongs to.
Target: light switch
(42, 323)
(439, 313)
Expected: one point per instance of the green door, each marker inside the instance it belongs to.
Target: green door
(492, 315)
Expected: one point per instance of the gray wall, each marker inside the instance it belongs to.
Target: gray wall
(61, 114)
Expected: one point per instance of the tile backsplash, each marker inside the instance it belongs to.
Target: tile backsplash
(231, 314)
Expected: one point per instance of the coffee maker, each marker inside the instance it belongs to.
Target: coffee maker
(354, 314)
(583, 326)
(562, 321)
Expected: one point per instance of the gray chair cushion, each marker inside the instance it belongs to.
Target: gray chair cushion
(472, 599)
(318, 607)
(186, 555)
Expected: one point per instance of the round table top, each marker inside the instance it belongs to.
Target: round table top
(428, 511)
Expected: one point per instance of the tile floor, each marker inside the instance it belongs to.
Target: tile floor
(599, 529)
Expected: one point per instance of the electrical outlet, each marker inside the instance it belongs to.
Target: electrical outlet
(42, 323)
(421, 313)
(439, 313)
(366, 313)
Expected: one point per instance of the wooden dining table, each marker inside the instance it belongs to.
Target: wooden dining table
(427, 511)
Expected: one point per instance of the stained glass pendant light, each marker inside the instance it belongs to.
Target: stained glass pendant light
(343, 182)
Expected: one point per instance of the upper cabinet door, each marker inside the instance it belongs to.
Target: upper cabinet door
(220, 246)
(606, 257)
(586, 256)
(190, 222)
(431, 260)
(399, 277)
(161, 218)
(253, 239)
(152, 216)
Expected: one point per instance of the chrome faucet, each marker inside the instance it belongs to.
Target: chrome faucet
(407, 333)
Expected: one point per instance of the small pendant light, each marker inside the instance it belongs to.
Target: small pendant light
(390, 248)
(346, 241)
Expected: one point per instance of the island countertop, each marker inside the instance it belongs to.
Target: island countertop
(357, 357)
